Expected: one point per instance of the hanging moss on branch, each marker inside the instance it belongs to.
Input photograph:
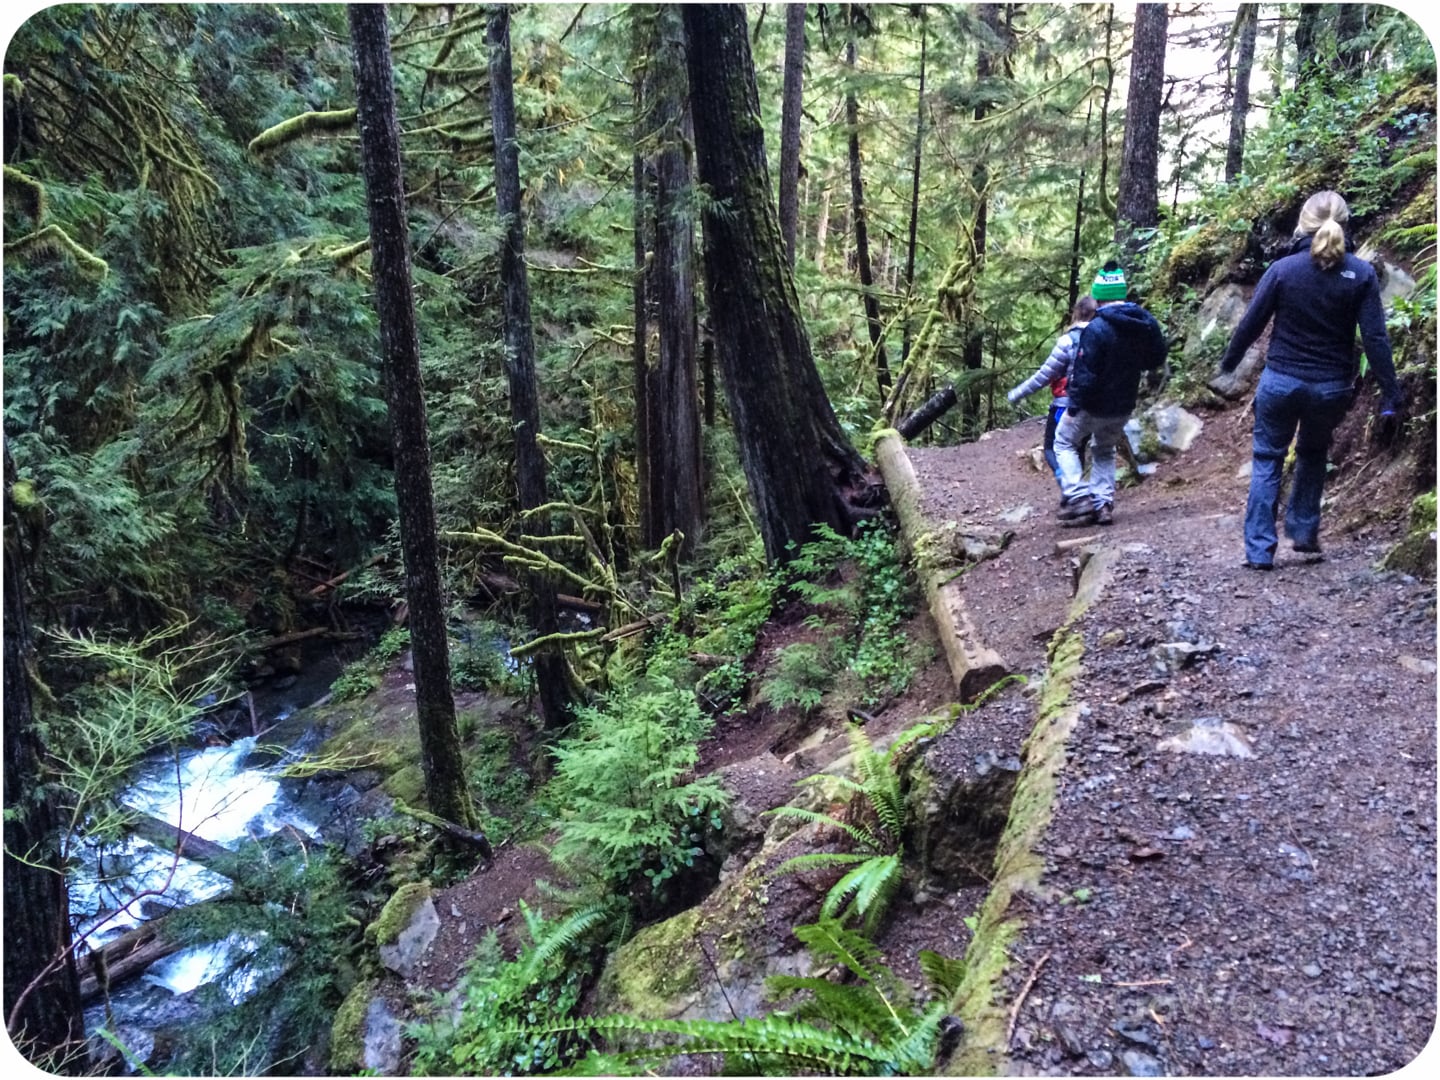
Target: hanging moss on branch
(53, 240)
(553, 641)
(297, 127)
(29, 191)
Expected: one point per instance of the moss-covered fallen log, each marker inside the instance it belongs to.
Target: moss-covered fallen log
(973, 666)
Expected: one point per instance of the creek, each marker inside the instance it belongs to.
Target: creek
(227, 794)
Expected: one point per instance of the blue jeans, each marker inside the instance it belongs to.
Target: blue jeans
(1284, 404)
(1052, 421)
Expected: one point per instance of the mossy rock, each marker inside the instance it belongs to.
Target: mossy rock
(653, 971)
(397, 912)
(1415, 555)
(406, 785)
(347, 1032)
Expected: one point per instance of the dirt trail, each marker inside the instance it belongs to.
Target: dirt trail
(1202, 915)
(1214, 915)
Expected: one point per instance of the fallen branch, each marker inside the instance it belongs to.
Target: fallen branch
(318, 589)
(938, 405)
(449, 828)
(1062, 546)
(1020, 999)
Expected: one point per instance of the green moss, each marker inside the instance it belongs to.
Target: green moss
(397, 912)
(406, 785)
(648, 975)
(347, 1033)
(1018, 866)
(1415, 554)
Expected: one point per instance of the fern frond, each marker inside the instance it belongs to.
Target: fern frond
(942, 973)
(830, 940)
(868, 888)
(860, 835)
(816, 860)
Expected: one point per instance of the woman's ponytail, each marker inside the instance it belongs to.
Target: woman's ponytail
(1328, 246)
(1321, 219)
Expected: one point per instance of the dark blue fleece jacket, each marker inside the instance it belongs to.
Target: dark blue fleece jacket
(1316, 313)
(1120, 342)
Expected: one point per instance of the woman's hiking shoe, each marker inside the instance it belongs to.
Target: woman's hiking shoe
(1104, 514)
(1087, 517)
(1258, 565)
(1311, 547)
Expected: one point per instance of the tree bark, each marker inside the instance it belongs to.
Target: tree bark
(1349, 22)
(674, 498)
(799, 464)
(446, 787)
(1075, 252)
(42, 987)
(1247, 22)
(791, 100)
(914, 188)
(862, 232)
(988, 62)
(1138, 206)
(822, 227)
(930, 411)
(551, 671)
(1307, 55)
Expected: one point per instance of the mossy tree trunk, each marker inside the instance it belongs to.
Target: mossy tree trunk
(42, 986)
(551, 670)
(791, 100)
(801, 469)
(861, 225)
(989, 65)
(673, 497)
(446, 788)
(1138, 205)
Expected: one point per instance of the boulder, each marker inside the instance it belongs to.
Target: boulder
(1163, 430)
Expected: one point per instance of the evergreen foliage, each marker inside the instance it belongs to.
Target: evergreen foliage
(629, 814)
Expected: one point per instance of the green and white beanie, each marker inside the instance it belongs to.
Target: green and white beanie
(1109, 283)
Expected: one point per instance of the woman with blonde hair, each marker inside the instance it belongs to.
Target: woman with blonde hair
(1318, 295)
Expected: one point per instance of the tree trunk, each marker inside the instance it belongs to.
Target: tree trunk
(1307, 29)
(1247, 22)
(42, 987)
(822, 228)
(862, 234)
(1138, 206)
(445, 784)
(1349, 31)
(640, 349)
(1103, 188)
(791, 100)
(989, 61)
(914, 189)
(1074, 290)
(675, 493)
(799, 464)
(551, 671)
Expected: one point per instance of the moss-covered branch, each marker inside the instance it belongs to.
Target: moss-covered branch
(298, 127)
(52, 239)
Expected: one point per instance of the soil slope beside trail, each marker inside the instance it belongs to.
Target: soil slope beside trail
(1216, 915)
